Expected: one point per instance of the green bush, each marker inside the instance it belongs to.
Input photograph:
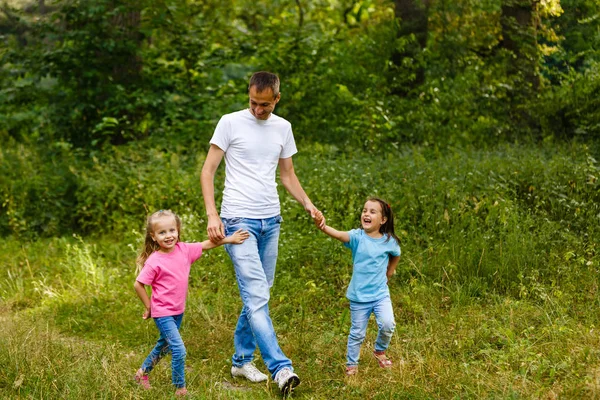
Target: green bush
(124, 184)
(572, 109)
(496, 216)
(37, 189)
(463, 215)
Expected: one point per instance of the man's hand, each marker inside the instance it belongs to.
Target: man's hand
(215, 229)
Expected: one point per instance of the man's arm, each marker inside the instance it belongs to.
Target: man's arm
(215, 229)
(292, 185)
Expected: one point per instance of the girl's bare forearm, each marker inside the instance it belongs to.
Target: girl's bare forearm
(334, 233)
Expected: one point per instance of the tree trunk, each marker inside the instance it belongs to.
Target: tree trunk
(129, 69)
(412, 16)
(519, 36)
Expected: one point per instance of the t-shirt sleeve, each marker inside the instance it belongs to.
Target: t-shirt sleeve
(221, 136)
(194, 251)
(147, 275)
(354, 236)
(289, 147)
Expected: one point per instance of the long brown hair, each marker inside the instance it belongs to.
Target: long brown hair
(150, 246)
(386, 211)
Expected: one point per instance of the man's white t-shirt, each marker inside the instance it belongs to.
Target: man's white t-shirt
(252, 149)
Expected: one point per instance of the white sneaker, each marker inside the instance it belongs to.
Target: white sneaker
(248, 371)
(287, 380)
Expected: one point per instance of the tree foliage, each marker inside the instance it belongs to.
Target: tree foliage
(80, 77)
(358, 72)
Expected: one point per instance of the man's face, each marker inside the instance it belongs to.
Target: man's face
(262, 103)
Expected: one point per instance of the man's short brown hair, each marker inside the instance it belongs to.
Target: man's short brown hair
(263, 80)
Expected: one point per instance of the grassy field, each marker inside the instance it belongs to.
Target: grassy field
(496, 295)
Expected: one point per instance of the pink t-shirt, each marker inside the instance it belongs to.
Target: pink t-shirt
(167, 274)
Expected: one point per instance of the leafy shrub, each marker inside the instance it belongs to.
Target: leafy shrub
(467, 215)
(37, 190)
(125, 184)
(492, 215)
(572, 109)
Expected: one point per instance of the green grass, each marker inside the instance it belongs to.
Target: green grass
(495, 347)
(496, 294)
(452, 341)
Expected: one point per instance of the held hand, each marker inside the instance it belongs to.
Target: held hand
(319, 219)
(146, 314)
(215, 229)
(239, 236)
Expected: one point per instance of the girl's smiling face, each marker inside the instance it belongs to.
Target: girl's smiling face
(165, 233)
(372, 218)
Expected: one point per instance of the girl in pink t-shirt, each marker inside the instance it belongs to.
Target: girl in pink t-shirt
(164, 264)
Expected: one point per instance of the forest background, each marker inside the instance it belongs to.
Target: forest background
(478, 120)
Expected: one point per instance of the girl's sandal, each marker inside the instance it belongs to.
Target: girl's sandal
(142, 380)
(382, 359)
(181, 392)
(351, 370)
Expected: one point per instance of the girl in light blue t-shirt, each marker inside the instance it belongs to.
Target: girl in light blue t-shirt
(375, 254)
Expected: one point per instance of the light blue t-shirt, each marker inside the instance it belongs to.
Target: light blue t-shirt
(370, 258)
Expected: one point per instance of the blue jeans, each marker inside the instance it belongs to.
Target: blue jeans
(359, 314)
(169, 341)
(254, 263)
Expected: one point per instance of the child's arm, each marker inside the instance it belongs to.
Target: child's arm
(140, 289)
(334, 233)
(392, 266)
(238, 237)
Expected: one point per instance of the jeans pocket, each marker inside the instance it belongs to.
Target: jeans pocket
(233, 221)
(232, 224)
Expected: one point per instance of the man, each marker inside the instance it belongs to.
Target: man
(254, 143)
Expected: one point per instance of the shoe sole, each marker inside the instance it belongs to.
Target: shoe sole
(290, 385)
(248, 379)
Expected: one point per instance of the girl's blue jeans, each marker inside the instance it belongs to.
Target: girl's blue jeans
(254, 263)
(169, 341)
(359, 314)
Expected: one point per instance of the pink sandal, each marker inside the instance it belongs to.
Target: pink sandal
(382, 359)
(181, 392)
(351, 370)
(142, 380)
